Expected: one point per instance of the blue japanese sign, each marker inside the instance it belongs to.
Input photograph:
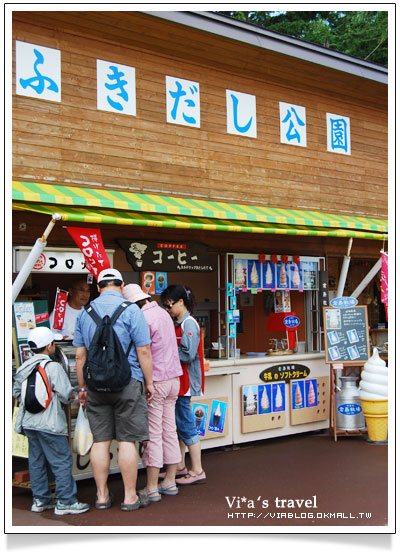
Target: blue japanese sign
(291, 321)
(343, 302)
(349, 409)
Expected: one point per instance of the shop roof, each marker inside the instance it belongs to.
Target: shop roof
(250, 34)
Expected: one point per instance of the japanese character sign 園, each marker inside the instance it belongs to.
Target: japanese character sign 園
(116, 88)
(38, 71)
(241, 114)
(338, 134)
(183, 102)
(293, 124)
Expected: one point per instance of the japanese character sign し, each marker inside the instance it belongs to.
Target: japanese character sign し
(90, 243)
(116, 88)
(338, 134)
(38, 71)
(293, 124)
(183, 102)
(241, 114)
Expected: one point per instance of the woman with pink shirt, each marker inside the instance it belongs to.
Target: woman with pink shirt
(163, 446)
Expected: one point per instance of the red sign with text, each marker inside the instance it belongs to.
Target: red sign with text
(90, 243)
(59, 309)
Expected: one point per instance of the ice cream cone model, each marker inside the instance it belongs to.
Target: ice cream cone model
(282, 278)
(296, 276)
(311, 395)
(254, 275)
(298, 397)
(264, 400)
(268, 274)
(374, 397)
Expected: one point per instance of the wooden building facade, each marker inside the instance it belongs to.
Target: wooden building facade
(231, 191)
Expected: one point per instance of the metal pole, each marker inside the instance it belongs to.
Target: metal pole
(29, 263)
(345, 268)
(367, 279)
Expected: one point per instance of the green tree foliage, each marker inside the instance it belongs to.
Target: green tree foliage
(357, 33)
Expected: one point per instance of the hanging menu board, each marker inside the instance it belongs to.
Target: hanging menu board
(346, 334)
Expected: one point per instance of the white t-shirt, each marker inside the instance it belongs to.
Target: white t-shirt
(69, 322)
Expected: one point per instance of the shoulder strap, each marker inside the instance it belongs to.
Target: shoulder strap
(93, 314)
(115, 316)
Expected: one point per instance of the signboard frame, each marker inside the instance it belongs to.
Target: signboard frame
(365, 330)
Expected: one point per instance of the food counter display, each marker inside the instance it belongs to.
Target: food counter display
(253, 398)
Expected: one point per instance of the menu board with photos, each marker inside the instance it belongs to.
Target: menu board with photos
(346, 334)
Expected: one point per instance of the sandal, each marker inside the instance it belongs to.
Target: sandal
(153, 495)
(168, 489)
(143, 501)
(191, 478)
(106, 505)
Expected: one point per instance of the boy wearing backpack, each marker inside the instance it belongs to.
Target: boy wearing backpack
(42, 391)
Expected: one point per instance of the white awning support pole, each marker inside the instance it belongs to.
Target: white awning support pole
(345, 268)
(30, 261)
(367, 279)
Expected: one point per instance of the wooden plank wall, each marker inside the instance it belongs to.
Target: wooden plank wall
(73, 143)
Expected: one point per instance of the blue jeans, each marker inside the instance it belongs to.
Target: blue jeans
(185, 421)
(52, 450)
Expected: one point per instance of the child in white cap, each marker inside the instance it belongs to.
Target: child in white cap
(47, 430)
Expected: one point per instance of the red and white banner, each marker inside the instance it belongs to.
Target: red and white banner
(384, 280)
(60, 305)
(90, 243)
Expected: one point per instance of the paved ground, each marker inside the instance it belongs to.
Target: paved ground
(299, 480)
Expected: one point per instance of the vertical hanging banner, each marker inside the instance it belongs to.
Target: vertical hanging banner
(91, 245)
(384, 281)
(59, 309)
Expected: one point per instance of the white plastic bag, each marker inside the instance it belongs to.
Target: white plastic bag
(83, 437)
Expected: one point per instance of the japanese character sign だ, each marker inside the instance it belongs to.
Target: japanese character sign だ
(183, 102)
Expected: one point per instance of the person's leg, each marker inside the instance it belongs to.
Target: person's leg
(172, 456)
(100, 461)
(37, 468)
(152, 456)
(195, 458)
(128, 460)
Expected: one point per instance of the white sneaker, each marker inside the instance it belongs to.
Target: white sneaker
(75, 508)
(40, 506)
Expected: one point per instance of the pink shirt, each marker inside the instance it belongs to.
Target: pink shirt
(164, 348)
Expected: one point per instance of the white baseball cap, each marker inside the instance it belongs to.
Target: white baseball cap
(40, 337)
(133, 293)
(110, 274)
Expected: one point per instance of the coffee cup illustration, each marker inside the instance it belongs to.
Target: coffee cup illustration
(161, 281)
(148, 280)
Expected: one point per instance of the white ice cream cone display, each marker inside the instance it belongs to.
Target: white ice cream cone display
(374, 397)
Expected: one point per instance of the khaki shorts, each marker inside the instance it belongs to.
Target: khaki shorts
(121, 416)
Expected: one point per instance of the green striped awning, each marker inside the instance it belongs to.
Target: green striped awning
(117, 207)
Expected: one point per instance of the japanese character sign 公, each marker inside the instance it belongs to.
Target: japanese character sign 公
(166, 256)
(293, 124)
(38, 71)
(183, 102)
(116, 88)
(338, 134)
(91, 245)
(241, 114)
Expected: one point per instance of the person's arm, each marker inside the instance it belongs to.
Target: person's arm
(189, 342)
(60, 382)
(80, 359)
(146, 364)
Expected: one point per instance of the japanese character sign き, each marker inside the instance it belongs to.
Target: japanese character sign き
(241, 114)
(293, 124)
(38, 71)
(116, 88)
(338, 134)
(183, 102)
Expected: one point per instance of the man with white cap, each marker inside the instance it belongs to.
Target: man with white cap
(47, 430)
(122, 415)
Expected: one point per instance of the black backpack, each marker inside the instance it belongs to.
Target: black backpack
(36, 390)
(107, 368)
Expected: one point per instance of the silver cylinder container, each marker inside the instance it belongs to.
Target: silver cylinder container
(349, 415)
